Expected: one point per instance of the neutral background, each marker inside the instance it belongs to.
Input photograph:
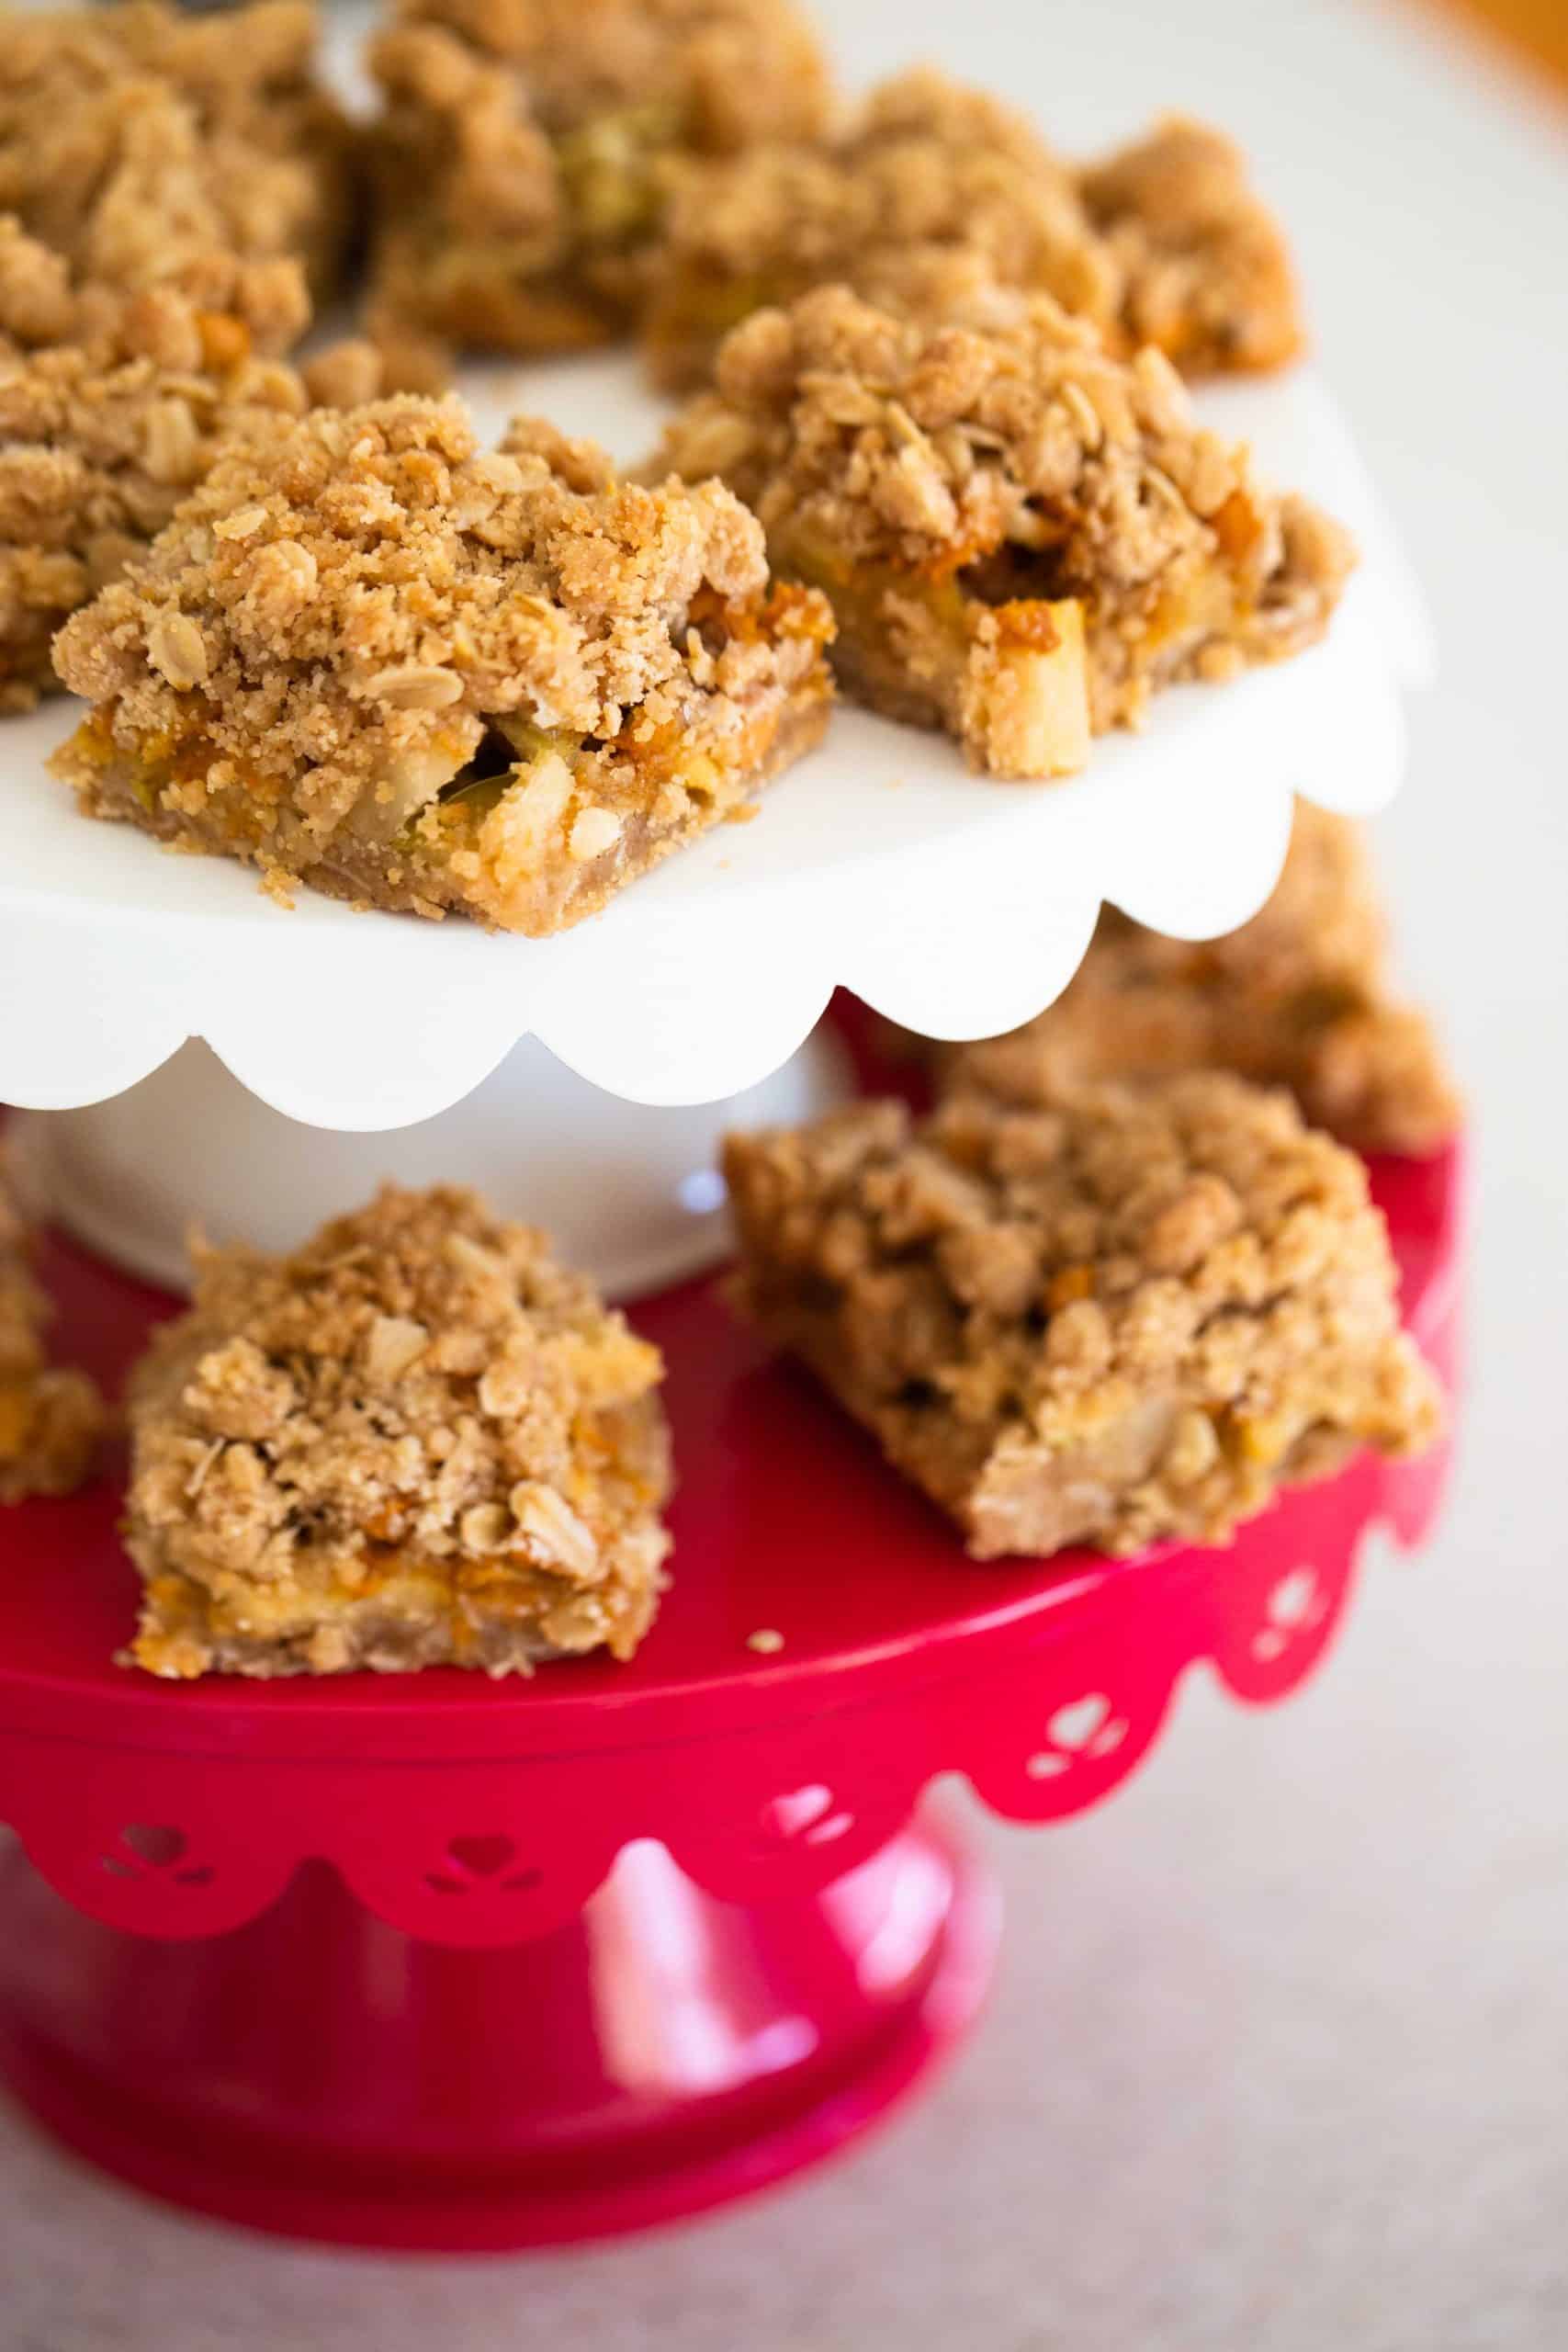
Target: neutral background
(1277, 2060)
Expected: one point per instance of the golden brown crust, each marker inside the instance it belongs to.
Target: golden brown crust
(113, 407)
(1298, 997)
(370, 613)
(522, 150)
(418, 1441)
(936, 197)
(51, 1419)
(1023, 537)
(1127, 1317)
(139, 140)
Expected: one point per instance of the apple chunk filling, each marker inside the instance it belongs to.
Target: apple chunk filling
(1023, 537)
(525, 803)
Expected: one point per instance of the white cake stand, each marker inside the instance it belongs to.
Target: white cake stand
(776, 1955)
(956, 906)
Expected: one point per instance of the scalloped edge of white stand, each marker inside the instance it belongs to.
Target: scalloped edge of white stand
(955, 905)
(631, 1196)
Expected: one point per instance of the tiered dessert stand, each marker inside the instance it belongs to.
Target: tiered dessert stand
(434, 1963)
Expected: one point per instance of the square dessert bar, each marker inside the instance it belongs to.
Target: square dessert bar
(111, 410)
(370, 656)
(113, 406)
(51, 1419)
(934, 195)
(140, 139)
(1128, 1317)
(520, 154)
(416, 1441)
(1022, 537)
(1299, 997)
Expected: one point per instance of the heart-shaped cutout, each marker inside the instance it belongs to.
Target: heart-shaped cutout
(154, 1842)
(789, 1815)
(1075, 1725)
(481, 1857)
(1290, 1601)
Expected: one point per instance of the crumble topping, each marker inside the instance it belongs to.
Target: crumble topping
(138, 140)
(1203, 271)
(51, 1419)
(103, 432)
(1126, 1316)
(1022, 536)
(416, 1440)
(214, 308)
(933, 188)
(522, 152)
(733, 70)
(373, 655)
(936, 196)
(1298, 997)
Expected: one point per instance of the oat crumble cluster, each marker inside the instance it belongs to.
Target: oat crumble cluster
(935, 197)
(113, 407)
(1201, 268)
(933, 194)
(1022, 537)
(371, 656)
(230, 309)
(52, 1418)
(522, 153)
(1299, 997)
(416, 1441)
(1127, 1317)
(139, 140)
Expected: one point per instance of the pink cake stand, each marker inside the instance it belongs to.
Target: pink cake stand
(439, 1964)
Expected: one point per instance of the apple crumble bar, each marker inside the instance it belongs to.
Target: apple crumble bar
(51, 1419)
(1298, 998)
(113, 407)
(417, 1441)
(520, 154)
(1022, 537)
(936, 196)
(1201, 266)
(139, 140)
(933, 193)
(1128, 1317)
(372, 657)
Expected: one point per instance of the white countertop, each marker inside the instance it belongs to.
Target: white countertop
(1277, 2057)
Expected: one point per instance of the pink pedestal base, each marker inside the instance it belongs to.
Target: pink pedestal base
(319, 2072)
(429, 1962)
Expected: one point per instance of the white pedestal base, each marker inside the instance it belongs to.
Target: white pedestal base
(629, 1193)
